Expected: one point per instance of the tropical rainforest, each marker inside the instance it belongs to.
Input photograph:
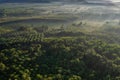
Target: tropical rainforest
(57, 41)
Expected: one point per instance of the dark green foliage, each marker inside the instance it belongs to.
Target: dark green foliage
(29, 55)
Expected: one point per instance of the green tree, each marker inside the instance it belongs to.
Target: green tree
(75, 77)
(2, 66)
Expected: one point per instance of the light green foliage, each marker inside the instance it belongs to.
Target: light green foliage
(2, 67)
(74, 77)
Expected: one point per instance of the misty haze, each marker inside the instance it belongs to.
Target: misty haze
(59, 40)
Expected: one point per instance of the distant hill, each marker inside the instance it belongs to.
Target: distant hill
(5, 1)
(39, 0)
(90, 2)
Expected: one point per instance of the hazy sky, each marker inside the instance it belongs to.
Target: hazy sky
(115, 0)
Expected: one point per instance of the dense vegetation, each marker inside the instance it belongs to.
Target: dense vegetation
(40, 42)
(34, 54)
